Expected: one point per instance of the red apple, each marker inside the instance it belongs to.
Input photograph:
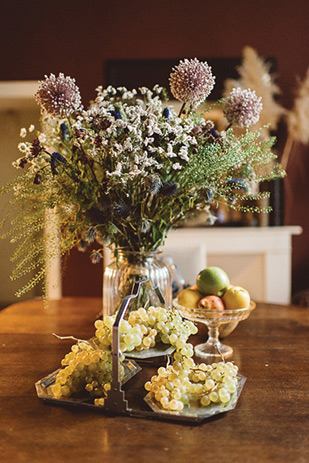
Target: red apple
(211, 303)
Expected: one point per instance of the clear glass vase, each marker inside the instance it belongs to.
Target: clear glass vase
(128, 267)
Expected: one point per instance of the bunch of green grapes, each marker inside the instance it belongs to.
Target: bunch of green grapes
(85, 369)
(88, 367)
(184, 382)
(145, 328)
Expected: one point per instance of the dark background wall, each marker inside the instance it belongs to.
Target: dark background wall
(77, 37)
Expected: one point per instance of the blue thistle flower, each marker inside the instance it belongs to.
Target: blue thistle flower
(57, 157)
(63, 129)
(121, 210)
(166, 113)
(215, 133)
(168, 189)
(116, 114)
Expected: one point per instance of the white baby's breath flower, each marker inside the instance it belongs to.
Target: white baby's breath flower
(127, 145)
(177, 166)
(42, 138)
(23, 132)
(183, 153)
(17, 164)
(169, 152)
(31, 128)
(118, 169)
(135, 171)
(23, 148)
(157, 130)
(148, 140)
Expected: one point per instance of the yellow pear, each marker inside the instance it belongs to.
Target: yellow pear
(189, 297)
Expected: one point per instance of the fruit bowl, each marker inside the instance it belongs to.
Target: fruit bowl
(213, 319)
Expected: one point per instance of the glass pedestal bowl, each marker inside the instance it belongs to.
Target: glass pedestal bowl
(213, 349)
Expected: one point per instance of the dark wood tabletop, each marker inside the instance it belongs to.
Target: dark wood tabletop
(270, 423)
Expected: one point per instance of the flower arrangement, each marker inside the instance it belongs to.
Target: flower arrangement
(128, 168)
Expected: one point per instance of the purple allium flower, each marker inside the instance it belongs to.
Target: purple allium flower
(242, 107)
(58, 96)
(191, 81)
(63, 129)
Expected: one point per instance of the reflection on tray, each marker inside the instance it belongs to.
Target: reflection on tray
(159, 350)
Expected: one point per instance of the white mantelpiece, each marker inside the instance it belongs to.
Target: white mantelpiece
(257, 258)
(18, 95)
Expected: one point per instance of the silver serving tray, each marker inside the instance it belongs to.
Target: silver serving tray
(43, 386)
(117, 403)
(195, 411)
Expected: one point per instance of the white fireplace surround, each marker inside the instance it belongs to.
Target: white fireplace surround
(257, 258)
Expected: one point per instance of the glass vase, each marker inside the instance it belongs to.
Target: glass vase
(128, 267)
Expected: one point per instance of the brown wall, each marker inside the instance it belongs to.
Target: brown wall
(76, 37)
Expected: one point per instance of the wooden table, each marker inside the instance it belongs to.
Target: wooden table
(270, 423)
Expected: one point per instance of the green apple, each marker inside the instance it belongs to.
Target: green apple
(212, 280)
(236, 297)
(189, 297)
